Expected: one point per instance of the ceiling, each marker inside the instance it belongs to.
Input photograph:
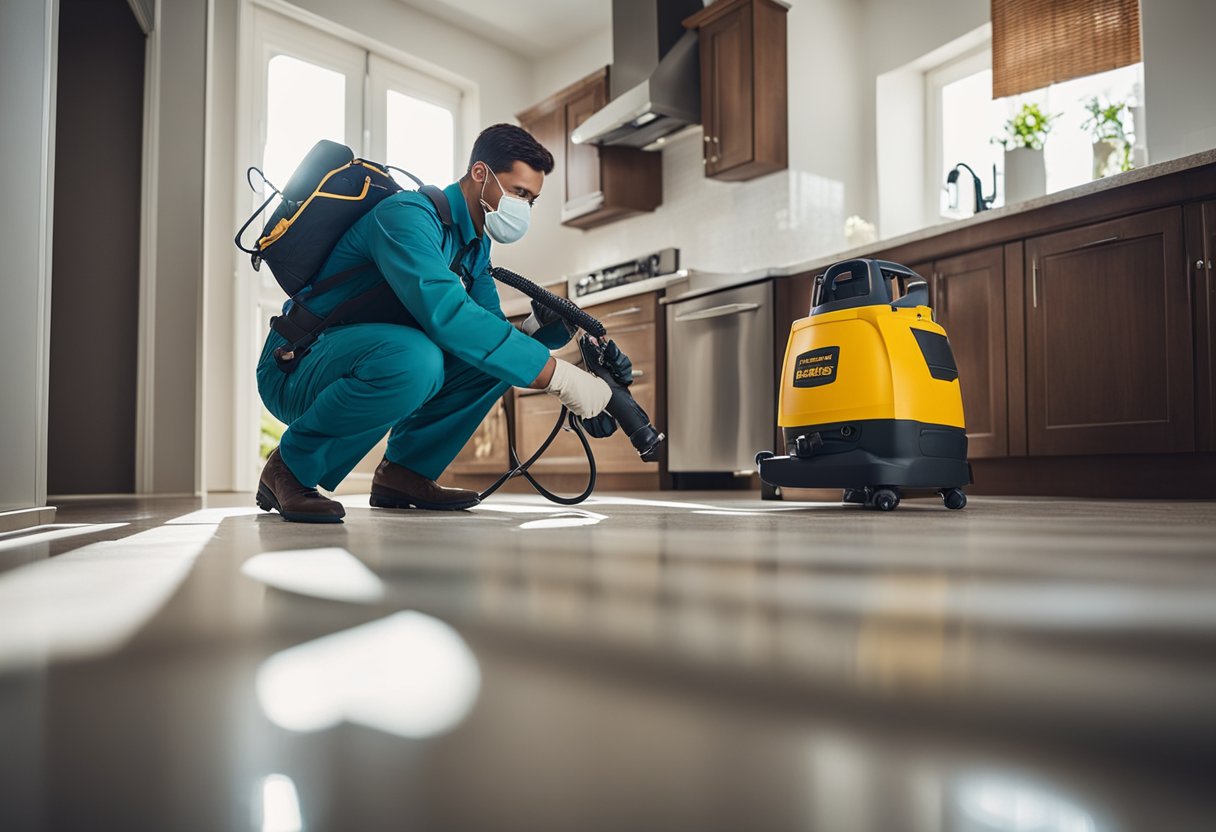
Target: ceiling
(532, 29)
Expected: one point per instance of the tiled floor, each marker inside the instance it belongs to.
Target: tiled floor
(649, 661)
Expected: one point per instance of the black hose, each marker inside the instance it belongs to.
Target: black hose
(621, 407)
(572, 313)
(520, 469)
(562, 306)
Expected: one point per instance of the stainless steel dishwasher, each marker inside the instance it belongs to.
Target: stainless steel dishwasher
(720, 371)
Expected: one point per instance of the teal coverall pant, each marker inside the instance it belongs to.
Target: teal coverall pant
(362, 380)
(428, 386)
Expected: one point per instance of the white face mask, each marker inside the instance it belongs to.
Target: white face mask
(510, 222)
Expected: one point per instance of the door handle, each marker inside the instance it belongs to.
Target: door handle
(941, 293)
(717, 311)
(633, 310)
(1102, 242)
(1034, 283)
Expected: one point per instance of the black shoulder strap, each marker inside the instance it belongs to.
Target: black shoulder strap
(301, 327)
(440, 200)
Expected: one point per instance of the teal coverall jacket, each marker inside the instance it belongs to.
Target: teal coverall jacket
(428, 385)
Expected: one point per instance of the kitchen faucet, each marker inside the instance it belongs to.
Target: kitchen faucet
(982, 203)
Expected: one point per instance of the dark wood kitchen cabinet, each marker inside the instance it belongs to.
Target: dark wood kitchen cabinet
(1109, 352)
(598, 184)
(968, 297)
(485, 455)
(744, 109)
(1201, 265)
(633, 323)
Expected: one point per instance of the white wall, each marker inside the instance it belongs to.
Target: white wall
(781, 218)
(552, 72)
(1179, 76)
(28, 37)
(223, 176)
(171, 309)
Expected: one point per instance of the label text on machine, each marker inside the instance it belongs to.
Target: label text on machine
(817, 367)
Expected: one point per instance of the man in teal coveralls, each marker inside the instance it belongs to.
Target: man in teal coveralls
(429, 378)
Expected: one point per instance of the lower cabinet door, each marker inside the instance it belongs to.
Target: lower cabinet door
(1201, 263)
(486, 451)
(968, 295)
(535, 416)
(1109, 352)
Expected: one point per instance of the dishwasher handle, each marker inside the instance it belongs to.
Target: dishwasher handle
(717, 311)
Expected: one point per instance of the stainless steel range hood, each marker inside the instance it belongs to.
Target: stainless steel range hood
(655, 80)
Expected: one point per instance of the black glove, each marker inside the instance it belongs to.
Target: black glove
(547, 326)
(600, 426)
(608, 355)
(605, 354)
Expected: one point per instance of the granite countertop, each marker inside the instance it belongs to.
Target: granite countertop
(703, 283)
(652, 284)
(1119, 180)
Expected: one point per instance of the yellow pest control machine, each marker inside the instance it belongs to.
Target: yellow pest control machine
(870, 396)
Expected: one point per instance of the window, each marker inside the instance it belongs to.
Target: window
(962, 120)
(304, 102)
(420, 138)
(414, 122)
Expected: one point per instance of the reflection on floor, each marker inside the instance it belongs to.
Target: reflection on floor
(649, 661)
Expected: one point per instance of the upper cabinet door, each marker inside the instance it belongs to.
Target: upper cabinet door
(969, 301)
(597, 184)
(744, 109)
(728, 76)
(583, 160)
(1109, 354)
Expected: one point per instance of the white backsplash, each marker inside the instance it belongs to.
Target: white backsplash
(785, 217)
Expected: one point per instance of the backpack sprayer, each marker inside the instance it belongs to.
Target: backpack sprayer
(327, 193)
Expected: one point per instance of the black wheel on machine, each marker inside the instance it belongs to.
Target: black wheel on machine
(769, 492)
(885, 499)
(854, 496)
(954, 498)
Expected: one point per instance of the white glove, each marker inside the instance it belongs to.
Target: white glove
(586, 395)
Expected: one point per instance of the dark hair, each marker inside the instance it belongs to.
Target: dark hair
(501, 145)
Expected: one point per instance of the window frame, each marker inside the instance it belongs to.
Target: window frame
(971, 62)
(384, 76)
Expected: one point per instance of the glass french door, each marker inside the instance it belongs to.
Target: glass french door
(308, 85)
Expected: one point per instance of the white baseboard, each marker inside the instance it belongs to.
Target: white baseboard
(26, 518)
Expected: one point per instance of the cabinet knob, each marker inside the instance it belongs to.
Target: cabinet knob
(716, 140)
(713, 158)
(1199, 265)
(708, 139)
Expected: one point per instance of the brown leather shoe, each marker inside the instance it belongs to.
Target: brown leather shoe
(279, 489)
(395, 486)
